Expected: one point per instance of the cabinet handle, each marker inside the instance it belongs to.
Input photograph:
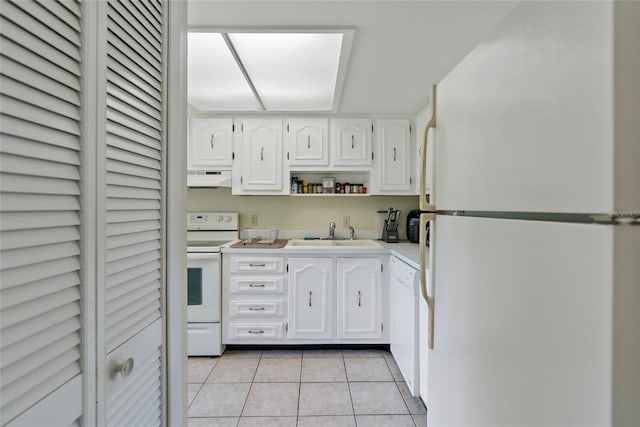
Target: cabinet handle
(261, 153)
(359, 298)
(256, 308)
(255, 332)
(394, 154)
(211, 140)
(310, 294)
(257, 265)
(352, 142)
(256, 285)
(308, 141)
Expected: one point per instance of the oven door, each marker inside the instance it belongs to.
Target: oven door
(203, 287)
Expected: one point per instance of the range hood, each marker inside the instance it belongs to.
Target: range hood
(206, 178)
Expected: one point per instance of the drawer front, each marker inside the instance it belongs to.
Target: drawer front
(256, 309)
(256, 332)
(252, 264)
(256, 285)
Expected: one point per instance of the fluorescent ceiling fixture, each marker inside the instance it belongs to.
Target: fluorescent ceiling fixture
(214, 80)
(291, 71)
(287, 71)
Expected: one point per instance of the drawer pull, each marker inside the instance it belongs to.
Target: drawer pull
(256, 308)
(255, 332)
(257, 265)
(256, 285)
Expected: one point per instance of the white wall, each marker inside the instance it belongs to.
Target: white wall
(304, 212)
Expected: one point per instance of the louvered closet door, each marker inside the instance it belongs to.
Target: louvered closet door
(130, 322)
(40, 213)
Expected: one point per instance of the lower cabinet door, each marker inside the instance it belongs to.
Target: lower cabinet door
(310, 296)
(359, 298)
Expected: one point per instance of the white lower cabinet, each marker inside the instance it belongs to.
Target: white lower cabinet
(303, 300)
(310, 298)
(254, 295)
(359, 298)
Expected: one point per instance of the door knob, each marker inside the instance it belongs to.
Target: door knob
(123, 368)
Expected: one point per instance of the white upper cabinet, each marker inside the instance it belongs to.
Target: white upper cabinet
(211, 143)
(308, 142)
(393, 156)
(261, 159)
(351, 142)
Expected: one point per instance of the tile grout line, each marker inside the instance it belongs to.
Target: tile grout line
(246, 399)
(405, 403)
(403, 396)
(346, 374)
(299, 389)
(201, 386)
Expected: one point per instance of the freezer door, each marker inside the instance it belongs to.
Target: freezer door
(525, 121)
(523, 324)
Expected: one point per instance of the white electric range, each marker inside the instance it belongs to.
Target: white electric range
(207, 232)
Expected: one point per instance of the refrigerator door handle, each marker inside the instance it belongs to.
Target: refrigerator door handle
(425, 204)
(424, 218)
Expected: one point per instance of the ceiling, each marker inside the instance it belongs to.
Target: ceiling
(400, 48)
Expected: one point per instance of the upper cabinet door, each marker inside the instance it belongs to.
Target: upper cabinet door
(351, 140)
(262, 154)
(307, 142)
(393, 160)
(211, 143)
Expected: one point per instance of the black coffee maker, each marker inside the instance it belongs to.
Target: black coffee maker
(413, 227)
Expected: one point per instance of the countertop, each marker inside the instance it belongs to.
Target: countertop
(405, 250)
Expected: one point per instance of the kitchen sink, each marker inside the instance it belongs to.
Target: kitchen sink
(362, 243)
(333, 244)
(313, 243)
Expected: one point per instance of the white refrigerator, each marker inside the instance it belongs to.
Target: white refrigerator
(532, 184)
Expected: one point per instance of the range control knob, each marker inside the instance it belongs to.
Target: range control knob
(219, 218)
(227, 218)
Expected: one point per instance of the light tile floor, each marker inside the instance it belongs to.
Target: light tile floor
(284, 388)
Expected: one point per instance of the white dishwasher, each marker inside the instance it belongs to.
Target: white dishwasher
(404, 321)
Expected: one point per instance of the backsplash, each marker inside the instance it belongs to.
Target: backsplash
(296, 216)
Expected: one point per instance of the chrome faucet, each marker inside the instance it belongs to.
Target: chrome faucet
(352, 233)
(332, 230)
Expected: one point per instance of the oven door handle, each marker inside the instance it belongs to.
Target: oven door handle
(210, 255)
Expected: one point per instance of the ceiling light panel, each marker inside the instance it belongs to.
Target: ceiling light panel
(215, 81)
(291, 71)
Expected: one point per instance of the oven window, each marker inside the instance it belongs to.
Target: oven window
(194, 286)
